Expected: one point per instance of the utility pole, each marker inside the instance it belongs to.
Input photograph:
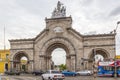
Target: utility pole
(94, 65)
(0, 76)
(117, 27)
(4, 39)
(115, 31)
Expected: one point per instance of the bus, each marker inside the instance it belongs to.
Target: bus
(106, 68)
(118, 68)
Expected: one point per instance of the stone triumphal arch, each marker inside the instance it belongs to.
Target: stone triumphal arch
(80, 49)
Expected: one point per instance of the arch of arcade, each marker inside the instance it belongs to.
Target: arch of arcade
(59, 33)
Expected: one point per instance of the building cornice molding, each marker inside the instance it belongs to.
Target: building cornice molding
(98, 35)
(23, 49)
(15, 40)
(99, 45)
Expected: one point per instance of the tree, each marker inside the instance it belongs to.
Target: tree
(62, 67)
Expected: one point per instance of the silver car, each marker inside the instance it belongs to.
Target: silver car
(84, 72)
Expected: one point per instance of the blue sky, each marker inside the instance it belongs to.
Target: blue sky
(26, 18)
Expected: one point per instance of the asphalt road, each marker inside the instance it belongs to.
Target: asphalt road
(31, 77)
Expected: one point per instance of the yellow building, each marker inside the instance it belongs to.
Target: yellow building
(4, 60)
(24, 65)
(117, 57)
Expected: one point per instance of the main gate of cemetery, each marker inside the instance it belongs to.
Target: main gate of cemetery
(58, 33)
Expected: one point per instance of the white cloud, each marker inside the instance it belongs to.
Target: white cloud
(25, 18)
(59, 56)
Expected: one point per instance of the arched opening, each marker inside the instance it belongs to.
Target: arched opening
(59, 59)
(97, 55)
(6, 66)
(50, 46)
(24, 65)
(50, 51)
(20, 62)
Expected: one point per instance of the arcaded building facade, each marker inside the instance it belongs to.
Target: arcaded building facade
(58, 33)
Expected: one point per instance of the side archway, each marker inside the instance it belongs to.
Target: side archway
(97, 54)
(99, 51)
(20, 62)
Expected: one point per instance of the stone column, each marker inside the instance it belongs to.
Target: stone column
(49, 62)
(18, 66)
(73, 63)
(68, 62)
(40, 64)
(43, 63)
(30, 66)
(11, 65)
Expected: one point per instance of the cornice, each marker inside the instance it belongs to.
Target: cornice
(29, 39)
(99, 45)
(41, 33)
(23, 49)
(74, 31)
(60, 18)
(99, 35)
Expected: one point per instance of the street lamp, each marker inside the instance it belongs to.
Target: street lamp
(115, 31)
(94, 65)
(116, 26)
(0, 77)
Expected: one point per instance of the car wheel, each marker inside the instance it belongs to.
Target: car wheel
(43, 78)
(34, 74)
(88, 74)
(74, 75)
(78, 74)
(49, 78)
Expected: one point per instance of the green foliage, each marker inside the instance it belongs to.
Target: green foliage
(62, 67)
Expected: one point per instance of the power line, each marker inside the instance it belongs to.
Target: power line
(4, 39)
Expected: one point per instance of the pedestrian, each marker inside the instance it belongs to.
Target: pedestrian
(0, 76)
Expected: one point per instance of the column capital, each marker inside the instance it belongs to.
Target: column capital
(42, 55)
(72, 54)
(31, 60)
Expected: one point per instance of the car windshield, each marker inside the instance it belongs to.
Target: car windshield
(83, 71)
(55, 71)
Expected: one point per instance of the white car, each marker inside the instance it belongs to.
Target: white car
(84, 72)
(52, 75)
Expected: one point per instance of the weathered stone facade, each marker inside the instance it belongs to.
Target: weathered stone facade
(60, 34)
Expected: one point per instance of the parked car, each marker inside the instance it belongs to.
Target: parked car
(12, 72)
(37, 72)
(52, 75)
(84, 72)
(69, 73)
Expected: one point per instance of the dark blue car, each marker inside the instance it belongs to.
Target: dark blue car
(69, 73)
(37, 72)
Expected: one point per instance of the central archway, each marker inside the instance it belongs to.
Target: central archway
(54, 43)
(49, 53)
(58, 59)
